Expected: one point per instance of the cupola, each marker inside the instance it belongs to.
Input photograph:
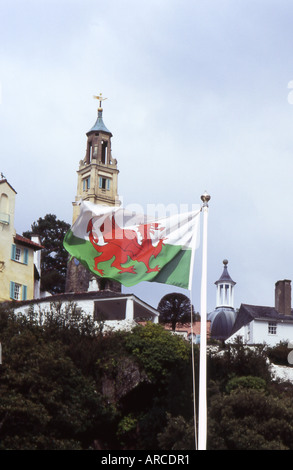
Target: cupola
(223, 317)
(225, 288)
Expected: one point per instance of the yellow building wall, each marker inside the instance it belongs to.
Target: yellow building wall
(10, 270)
(19, 273)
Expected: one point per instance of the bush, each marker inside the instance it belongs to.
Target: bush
(279, 354)
(237, 360)
(250, 420)
(248, 382)
(177, 435)
(64, 385)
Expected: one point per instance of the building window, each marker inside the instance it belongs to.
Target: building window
(86, 182)
(19, 254)
(104, 157)
(90, 152)
(17, 291)
(272, 328)
(104, 183)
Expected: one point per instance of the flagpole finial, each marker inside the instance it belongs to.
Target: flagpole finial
(205, 199)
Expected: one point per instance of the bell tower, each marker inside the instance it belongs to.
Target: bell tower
(97, 182)
(97, 176)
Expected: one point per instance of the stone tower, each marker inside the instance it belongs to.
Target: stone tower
(97, 182)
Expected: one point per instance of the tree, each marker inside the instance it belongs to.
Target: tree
(64, 386)
(177, 435)
(166, 360)
(250, 419)
(175, 308)
(46, 402)
(54, 256)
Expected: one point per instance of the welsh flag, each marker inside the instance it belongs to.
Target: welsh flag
(130, 248)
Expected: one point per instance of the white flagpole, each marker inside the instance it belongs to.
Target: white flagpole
(202, 407)
(193, 372)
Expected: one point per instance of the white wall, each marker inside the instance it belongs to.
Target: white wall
(256, 332)
(87, 308)
(284, 333)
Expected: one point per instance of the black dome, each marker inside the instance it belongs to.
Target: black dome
(222, 321)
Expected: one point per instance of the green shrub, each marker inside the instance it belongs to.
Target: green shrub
(248, 382)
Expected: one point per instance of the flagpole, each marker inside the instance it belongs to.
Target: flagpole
(193, 371)
(202, 407)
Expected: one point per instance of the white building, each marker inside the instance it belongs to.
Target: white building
(270, 325)
(117, 311)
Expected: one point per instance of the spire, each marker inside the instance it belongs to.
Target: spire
(225, 275)
(99, 124)
(225, 286)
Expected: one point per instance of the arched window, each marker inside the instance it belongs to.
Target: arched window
(4, 206)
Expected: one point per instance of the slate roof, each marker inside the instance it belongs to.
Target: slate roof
(225, 276)
(222, 322)
(99, 125)
(248, 313)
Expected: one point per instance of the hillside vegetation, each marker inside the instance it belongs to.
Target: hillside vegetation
(66, 385)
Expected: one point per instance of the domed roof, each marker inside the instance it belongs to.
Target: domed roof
(99, 124)
(222, 322)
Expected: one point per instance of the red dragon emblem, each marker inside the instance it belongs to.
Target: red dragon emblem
(124, 244)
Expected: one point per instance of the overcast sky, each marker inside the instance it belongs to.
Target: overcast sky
(198, 99)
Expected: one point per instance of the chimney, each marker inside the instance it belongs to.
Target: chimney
(283, 297)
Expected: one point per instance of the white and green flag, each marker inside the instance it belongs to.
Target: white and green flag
(130, 248)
